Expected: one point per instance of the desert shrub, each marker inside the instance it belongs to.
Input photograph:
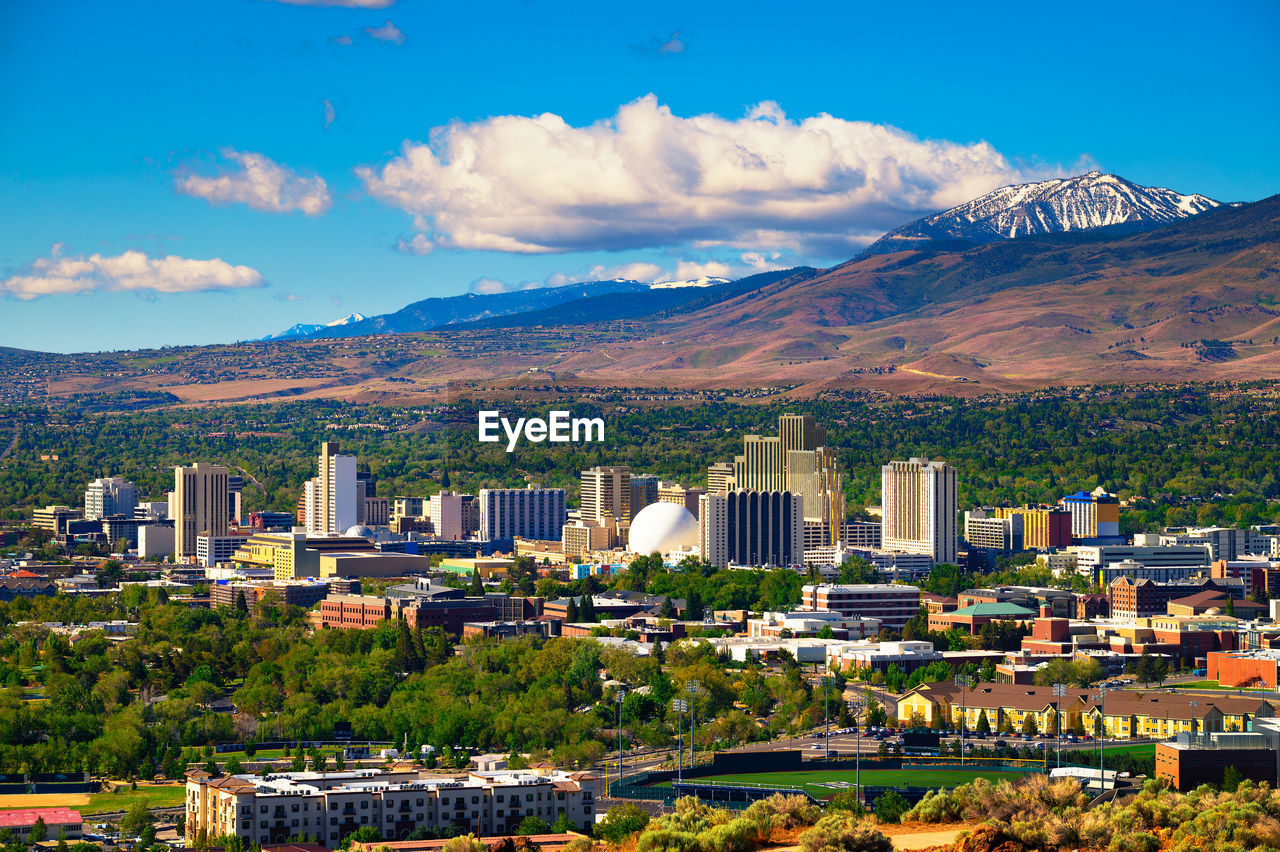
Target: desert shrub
(890, 807)
(843, 832)
(621, 822)
(1142, 841)
(739, 835)
(786, 811)
(847, 800)
(579, 844)
(466, 843)
(658, 839)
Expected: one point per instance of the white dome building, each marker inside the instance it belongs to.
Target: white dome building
(662, 528)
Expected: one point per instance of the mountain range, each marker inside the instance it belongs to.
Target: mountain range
(1083, 203)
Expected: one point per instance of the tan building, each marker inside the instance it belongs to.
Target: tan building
(200, 505)
(578, 538)
(720, 478)
(674, 492)
(919, 504)
(606, 492)
(328, 806)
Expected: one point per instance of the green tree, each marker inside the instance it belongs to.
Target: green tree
(693, 606)
(136, 817)
(890, 807)
(242, 606)
(1231, 778)
(532, 825)
(233, 766)
(571, 614)
(38, 831)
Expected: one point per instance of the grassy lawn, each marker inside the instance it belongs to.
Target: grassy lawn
(1145, 750)
(167, 796)
(278, 753)
(812, 782)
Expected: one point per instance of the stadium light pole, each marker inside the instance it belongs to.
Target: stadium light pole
(1059, 691)
(679, 705)
(694, 688)
(1102, 737)
(963, 681)
(826, 682)
(858, 703)
(618, 698)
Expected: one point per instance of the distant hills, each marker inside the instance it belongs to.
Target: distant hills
(1084, 202)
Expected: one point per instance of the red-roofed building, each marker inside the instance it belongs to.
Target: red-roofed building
(56, 821)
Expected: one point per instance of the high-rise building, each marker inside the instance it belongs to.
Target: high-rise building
(800, 432)
(445, 510)
(331, 498)
(644, 490)
(797, 460)
(606, 492)
(1093, 516)
(110, 495)
(199, 506)
(760, 467)
(720, 478)
(919, 504)
(533, 512)
(1042, 527)
(987, 529)
(674, 492)
(751, 528)
(235, 497)
(407, 507)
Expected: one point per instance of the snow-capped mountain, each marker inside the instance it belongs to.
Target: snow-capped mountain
(307, 329)
(704, 281)
(1092, 200)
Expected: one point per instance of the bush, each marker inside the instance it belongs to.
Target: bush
(844, 833)
(579, 844)
(785, 811)
(847, 800)
(621, 822)
(890, 807)
(665, 840)
(739, 835)
(467, 843)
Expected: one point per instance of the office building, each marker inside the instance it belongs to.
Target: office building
(984, 529)
(235, 489)
(581, 537)
(751, 528)
(720, 478)
(198, 506)
(760, 467)
(532, 513)
(270, 521)
(606, 492)
(919, 504)
(111, 495)
(674, 492)
(1043, 527)
(155, 541)
(151, 510)
(214, 550)
(328, 806)
(407, 507)
(893, 605)
(445, 511)
(331, 495)
(1095, 515)
(54, 518)
(644, 490)
(1090, 558)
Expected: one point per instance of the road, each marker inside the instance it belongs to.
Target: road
(13, 442)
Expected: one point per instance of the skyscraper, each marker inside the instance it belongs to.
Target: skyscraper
(199, 505)
(606, 492)
(720, 478)
(110, 495)
(331, 495)
(919, 504)
(751, 528)
(644, 490)
(533, 512)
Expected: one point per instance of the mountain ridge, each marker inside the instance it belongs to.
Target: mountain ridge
(1082, 202)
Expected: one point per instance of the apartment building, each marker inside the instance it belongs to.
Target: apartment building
(199, 505)
(919, 501)
(531, 513)
(606, 492)
(328, 806)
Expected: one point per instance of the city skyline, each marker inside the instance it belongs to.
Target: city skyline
(225, 174)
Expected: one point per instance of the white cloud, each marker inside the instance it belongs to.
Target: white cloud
(419, 244)
(387, 32)
(672, 45)
(292, 297)
(344, 40)
(488, 286)
(329, 113)
(132, 271)
(260, 183)
(647, 178)
(350, 4)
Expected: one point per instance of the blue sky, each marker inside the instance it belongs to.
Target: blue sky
(171, 173)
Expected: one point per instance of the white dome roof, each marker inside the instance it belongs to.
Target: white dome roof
(359, 531)
(662, 527)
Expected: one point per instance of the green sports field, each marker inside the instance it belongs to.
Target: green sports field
(825, 783)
